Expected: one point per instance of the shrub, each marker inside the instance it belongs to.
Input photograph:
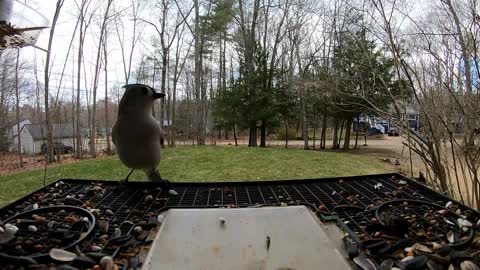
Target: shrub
(292, 133)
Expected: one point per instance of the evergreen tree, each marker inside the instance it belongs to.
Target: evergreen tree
(364, 77)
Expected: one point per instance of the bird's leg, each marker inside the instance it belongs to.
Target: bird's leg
(124, 181)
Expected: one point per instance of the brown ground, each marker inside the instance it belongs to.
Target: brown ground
(10, 163)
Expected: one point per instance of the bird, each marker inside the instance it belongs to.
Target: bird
(136, 134)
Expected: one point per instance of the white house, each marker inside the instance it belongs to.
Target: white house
(12, 134)
(410, 114)
(32, 136)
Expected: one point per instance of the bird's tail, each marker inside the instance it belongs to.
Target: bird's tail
(153, 175)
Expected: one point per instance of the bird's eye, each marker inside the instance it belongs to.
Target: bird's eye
(144, 91)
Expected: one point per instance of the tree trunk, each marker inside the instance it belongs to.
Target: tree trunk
(263, 134)
(314, 129)
(341, 134)
(252, 138)
(153, 85)
(356, 131)
(162, 84)
(348, 130)
(221, 78)
(335, 134)
(107, 126)
(204, 104)
(235, 134)
(59, 151)
(79, 68)
(17, 112)
(365, 136)
(93, 125)
(37, 86)
(176, 76)
(304, 124)
(50, 157)
(286, 131)
(168, 103)
(93, 121)
(198, 77)
(224, 69)
(173, 130)
(323, 141)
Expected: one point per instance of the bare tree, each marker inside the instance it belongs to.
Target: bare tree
(50, 157)
(17, 111)
(447, 111)
(167, 35)
(101, 40)
(107, 119)
(199, 38)
(127, 56)
(177, 72)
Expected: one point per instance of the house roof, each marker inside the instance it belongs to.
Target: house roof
(59, 131)
(410, 107)
(23, 121)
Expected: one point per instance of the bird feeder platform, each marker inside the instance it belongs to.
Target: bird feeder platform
(20, 25)
(363, 214)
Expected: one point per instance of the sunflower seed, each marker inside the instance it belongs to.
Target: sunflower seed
(32, 228)
(62, 255)
(469, 265)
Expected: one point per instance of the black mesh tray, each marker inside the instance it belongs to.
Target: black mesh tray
(349, 201)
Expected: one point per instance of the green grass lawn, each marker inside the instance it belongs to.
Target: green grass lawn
(202, 164)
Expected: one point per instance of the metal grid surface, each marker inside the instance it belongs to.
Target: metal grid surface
(349, 201)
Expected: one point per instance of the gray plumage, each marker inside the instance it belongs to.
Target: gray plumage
(136, 134)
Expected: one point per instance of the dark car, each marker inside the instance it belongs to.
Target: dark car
(57, 147)
(393, 132)
(372, 131)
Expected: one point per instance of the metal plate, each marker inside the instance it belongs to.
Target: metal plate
(251, 238)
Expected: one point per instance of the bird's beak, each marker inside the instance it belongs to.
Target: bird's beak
(157, 95)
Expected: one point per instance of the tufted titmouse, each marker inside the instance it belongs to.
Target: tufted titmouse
(136, 134)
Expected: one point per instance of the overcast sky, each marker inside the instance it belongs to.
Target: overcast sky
(63, 34)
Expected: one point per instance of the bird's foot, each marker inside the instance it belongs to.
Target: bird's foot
(166, 185)
(125, 181)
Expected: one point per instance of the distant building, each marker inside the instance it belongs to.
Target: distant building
(378, 123)
(103, 131)
(32, 136)
(472, 65)
(410, 114)
(12, 134)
